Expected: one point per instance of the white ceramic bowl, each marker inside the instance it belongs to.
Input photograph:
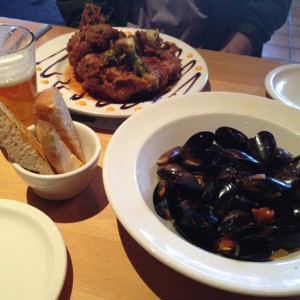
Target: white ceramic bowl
(67, 185)
(129, 174)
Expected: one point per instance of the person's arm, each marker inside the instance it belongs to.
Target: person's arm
(262, 19)
(238, 43)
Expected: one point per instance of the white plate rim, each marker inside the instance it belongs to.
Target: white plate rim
(134, 215)
(44, 59)
(270, 83)
(54, 237)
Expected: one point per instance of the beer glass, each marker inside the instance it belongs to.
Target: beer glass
(18, 86)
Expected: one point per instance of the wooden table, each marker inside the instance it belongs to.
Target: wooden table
(104, 262)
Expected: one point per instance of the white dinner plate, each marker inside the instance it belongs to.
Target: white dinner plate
(52, 59)
(283, 84)
(32, 253)
(129, 175)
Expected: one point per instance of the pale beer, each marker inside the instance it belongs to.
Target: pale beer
(18, 86)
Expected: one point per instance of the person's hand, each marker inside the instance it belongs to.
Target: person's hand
(238, 43)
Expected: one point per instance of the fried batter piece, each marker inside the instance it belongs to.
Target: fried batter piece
(94, 36)
(159, 55)
(117, 68)
(91, 16)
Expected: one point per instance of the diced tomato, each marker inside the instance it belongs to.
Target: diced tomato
(262, 215)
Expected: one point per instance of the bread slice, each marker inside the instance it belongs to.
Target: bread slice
(20, 144)
(56, 151)
(50, 106)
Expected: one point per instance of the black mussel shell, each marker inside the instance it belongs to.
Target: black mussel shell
(212, 156)
(194, 215)
(290, 172)
(231, 138)
(234, 155)
(170, 171)
(190, 186)
(243, 200)
(231, 171)
(264, 148)
(195, 224)
(253, 248)
(200, 237)
(233, 218)
(164, 198)
(263, 187)
(292, 195)
(170, 156)
(287, 238)
(199, 142)
(192, 161)
(282, 158)
(226, 194)
(198, 187)
(258, 243)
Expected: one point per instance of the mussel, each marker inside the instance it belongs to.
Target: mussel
(231, 138)
(263, 148)
(231, 194)
(170, 156)
(291, 171)
(263, 187)
(197, 187)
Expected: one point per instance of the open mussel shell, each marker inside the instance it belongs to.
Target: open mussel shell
(192, 161)
(199, 187)
(290, 172)
(195, 224)
(250, 248)
(259, 243)
(232, 171)
(170, 171)
(165, 198)
(263, 187)
(233, 218)
(194, 148)
(170, 156)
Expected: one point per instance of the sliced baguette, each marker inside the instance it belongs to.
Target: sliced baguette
(50, 106)
(20, 144)
(56, 151)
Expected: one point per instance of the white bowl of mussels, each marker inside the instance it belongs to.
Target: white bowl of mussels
(209, 185)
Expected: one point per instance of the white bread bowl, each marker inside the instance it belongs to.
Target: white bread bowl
(70, 184)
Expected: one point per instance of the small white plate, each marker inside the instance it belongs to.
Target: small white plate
(283, 84)
(32, 253)
(52, 60)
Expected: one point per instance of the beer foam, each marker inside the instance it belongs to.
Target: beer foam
(17, 67)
